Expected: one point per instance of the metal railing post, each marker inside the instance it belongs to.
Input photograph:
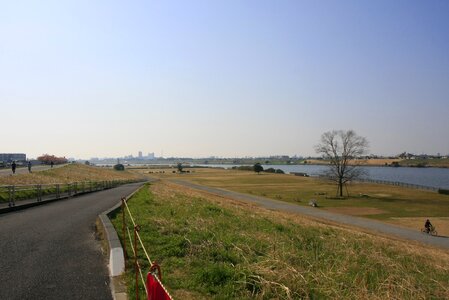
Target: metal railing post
(136, 263)
(39, 192)
(12, 195)
(57, 191)
(124, 230)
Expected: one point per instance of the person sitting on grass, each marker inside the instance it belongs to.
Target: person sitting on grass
(428, 226)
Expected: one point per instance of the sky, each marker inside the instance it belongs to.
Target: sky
(222, 78)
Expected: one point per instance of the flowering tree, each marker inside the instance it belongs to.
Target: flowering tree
(47, 159)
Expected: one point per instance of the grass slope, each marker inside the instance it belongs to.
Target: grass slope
(67, 174)
(211, 247)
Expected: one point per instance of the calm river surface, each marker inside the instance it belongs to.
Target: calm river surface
(433, 177)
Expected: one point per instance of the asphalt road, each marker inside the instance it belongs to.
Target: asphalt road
(51, 251)
(370, 225)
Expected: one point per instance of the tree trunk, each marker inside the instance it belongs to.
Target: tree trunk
(340, 187)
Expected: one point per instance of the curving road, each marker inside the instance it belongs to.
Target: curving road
(371, 225)
(51, 251)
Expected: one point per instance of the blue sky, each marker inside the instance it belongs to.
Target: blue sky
(223, 78)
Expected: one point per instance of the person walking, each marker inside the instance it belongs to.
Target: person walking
(51, 164)
(29, 166)
(13, 167)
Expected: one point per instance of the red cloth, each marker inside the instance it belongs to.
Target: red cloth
(155, 290)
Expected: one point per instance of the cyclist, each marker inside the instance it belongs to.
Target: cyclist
(428, 226)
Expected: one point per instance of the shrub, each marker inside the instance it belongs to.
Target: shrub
(243, 168)
(258, 168)
(119, 167)
(443, 191)
(270, 170)
(279, 171)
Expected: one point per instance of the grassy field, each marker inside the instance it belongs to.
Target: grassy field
(67, 174)
(215, 248)
(402, 206)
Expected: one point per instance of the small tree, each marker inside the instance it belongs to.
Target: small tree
(119, 167)
(179, 166)
(258, 168)
(342, 148)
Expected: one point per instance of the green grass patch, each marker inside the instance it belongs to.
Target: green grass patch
(209, 250)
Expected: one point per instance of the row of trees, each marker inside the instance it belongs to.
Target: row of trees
(48, 159)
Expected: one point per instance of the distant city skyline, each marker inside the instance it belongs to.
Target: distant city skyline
(222, 78)
(152, 156)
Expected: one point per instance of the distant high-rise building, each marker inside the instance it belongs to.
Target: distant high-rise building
(150, 155)
(140, 154)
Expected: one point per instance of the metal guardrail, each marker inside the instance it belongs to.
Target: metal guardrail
(396, 183)
(40, 192)
(403, 184)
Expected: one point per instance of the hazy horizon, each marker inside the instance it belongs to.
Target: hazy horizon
(224, 78)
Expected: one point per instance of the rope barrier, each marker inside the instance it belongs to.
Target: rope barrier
(143, 280)
(134, 250)
(138, 235)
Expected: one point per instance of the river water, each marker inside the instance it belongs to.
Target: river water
(432, 177)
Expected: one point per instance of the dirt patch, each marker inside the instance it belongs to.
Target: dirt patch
(441, 224)
(356, 211)
(382, 195)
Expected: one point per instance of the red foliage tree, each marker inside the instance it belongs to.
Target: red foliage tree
(47, 159)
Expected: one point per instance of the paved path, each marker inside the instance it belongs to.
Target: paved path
(50, 251)
(24, 170)
(371, 225)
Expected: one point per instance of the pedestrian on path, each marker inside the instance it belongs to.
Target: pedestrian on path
(13, 167)
(29, 166)
(51, 164)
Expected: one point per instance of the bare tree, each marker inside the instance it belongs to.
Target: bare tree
(342, 148)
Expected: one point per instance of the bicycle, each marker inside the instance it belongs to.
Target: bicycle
(431, 231)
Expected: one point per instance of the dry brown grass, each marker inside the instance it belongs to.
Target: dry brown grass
(67, 174)
(169, 189)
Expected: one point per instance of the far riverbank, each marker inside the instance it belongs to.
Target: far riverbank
(432, 177)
